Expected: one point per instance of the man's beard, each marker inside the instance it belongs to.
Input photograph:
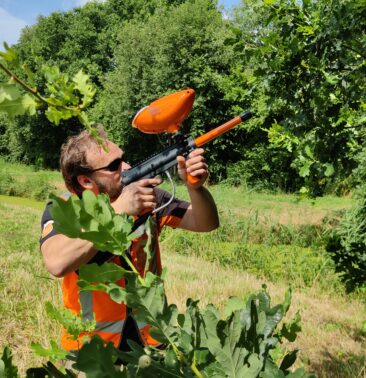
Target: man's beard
(112, 191)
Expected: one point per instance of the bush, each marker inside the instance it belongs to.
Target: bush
(294, 255)
(34, 186)
(263, 168)
(7, 184)
(347, 245)
(38, 187)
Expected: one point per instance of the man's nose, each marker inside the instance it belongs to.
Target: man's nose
(125, 166)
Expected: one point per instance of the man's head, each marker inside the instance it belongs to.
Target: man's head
(87, 165)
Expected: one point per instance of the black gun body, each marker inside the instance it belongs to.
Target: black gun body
(159, 163)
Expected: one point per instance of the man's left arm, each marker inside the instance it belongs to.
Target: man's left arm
(201, 215)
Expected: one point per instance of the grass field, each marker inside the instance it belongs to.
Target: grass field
(263, 238)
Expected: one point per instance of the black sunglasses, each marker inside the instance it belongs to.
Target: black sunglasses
(111, 167)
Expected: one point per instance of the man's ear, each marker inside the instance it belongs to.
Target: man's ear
(86, 182)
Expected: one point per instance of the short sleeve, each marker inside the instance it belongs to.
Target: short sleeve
(172, 214)
(47, 229)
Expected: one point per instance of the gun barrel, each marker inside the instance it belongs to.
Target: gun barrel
(214, 133)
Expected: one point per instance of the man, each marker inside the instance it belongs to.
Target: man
(87, 165)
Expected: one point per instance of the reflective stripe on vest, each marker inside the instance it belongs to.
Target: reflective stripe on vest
(112, 327)
(110, 316)
(86, 302)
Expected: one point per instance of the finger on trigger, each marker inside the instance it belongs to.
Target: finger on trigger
(196, 152)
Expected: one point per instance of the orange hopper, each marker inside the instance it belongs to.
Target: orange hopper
(165, 114)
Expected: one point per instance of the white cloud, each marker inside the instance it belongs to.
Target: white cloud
(80, 3)
(10, 28)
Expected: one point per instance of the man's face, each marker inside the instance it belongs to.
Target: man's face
(108, 166)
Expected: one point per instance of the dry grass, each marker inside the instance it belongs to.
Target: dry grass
(25, 286)
(331, 343)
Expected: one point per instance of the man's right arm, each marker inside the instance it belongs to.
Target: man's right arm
(63, 255)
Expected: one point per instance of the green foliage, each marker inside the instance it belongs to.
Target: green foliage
(347, 245)
(200, 341)
(7, 370)
(64, 98)
(250, 240)
(54, 353)
(7, 186)
(103, 278)
(303, 64)
(71, 322)
(358, 177)
(38, 187)
(262, 167)
(93, 219)
(298, 266)
(299, 65)
(96, 359)
(35, 186)
(81, 39)
(197, 342)
(177, 47)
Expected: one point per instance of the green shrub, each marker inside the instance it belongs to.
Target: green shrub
(347, 245)
(262, 168)
(7, 184)
(290, 263)
(34, 186)
(38, 187)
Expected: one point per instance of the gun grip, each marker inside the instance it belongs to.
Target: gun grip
(192, 179)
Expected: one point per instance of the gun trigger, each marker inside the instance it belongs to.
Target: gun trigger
(154, 186)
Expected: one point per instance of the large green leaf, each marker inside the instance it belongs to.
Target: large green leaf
(224, 342)
(55, 115)
(96, 277)
(13, 102)
(93, 219)
(97, 360)
(291, 329)
(150, 306)
(9, 91)
(7, 369)
(85, 87)
(106, 273)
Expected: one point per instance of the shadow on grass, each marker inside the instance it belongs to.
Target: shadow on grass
(347, 365)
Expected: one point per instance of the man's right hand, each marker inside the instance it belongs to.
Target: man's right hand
(137, 197)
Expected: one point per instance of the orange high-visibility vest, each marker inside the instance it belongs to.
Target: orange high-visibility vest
(110, 316)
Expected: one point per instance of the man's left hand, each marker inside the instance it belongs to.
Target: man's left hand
(195, 166)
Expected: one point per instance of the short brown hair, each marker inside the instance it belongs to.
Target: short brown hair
(73, 160)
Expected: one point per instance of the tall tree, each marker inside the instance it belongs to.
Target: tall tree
(177, 47)
(83, 38)
(304, 62)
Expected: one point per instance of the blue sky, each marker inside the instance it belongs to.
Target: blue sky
(16, 14)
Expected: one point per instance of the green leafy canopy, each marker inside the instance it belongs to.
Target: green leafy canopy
(62, 100)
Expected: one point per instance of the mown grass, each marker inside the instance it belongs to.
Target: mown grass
(25, 285)
(263, 238)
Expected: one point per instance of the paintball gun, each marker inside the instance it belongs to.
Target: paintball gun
(166, 115)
